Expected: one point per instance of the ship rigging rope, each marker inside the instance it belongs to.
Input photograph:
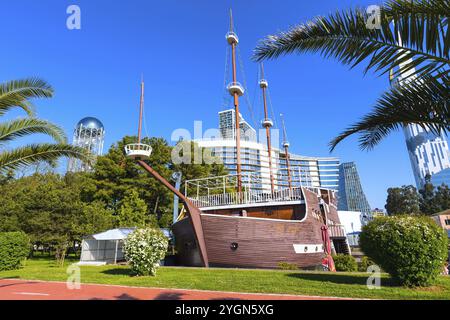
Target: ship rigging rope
(273, 113)
(256, 94)
(271, 108)
(285, 135)
(145, 122)
(226, 96)
(244, 79)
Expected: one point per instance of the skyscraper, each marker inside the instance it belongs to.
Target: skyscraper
(351, 194)
(227, 126)
(89, 134)
(428, 152)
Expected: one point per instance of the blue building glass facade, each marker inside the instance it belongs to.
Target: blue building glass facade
(441, 178)
(351, 194)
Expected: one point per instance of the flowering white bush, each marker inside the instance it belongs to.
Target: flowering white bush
(143, 250)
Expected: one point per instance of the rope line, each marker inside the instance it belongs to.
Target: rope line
(145, 122)
(226, 96)
(272, 109)
(244, 80)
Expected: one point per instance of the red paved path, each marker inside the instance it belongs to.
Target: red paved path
(14, 289)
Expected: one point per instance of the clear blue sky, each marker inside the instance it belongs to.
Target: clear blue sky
(180, 48)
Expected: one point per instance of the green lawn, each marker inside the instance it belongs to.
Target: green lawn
(257, 281)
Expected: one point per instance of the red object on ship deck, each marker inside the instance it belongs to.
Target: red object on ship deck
(327, 247)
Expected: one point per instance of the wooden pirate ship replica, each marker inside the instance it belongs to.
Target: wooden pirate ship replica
(239, 225)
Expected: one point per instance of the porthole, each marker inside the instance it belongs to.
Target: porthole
(234, 246)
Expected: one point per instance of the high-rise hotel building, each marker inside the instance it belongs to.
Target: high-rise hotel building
(428, 152)
(305, 171)
(351, 195)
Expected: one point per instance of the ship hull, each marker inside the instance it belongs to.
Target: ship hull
(258, 240)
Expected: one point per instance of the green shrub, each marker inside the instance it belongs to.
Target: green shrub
(144, 249)
(14, 248)
(411, 249)
(345, 262)
(287, 266)
(364, 264)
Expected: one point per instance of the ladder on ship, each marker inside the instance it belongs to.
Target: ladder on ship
(341, 246)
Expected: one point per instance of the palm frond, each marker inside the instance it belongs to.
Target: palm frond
(22, 127)
(17, 93)
(424, 44)
(30, 154)
(423, 7)
(424, 102)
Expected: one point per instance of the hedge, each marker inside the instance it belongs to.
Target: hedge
(14, 248)
(344, 262)
(411, 249)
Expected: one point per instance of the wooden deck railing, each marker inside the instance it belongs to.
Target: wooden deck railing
(247, 197)
(337, 231)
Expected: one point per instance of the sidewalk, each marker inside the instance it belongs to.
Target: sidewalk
(16, 289)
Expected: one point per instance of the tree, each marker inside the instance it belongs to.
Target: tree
(191, 168)
(428, 204)
(50, 209)
(95, 218)
(423, 51)
(133, 211)
(47, 210)
(18, 93)
(442, 198)
(115, 174)
(404, 200)
(6, 177)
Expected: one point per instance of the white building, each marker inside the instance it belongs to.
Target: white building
(305, 171)
(352, 222)
(227, 121)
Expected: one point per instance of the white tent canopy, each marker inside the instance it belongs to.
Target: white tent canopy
(114, 234)
(104, 248)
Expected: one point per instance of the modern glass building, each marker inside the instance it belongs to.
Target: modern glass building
(305, 171)
(227, 120)
(441, 178)
(428, 152)
(351, 194)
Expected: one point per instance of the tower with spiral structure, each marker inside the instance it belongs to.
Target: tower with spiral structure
(88, 134)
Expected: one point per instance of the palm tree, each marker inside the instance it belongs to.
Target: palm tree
(17, 94)
(412, 43)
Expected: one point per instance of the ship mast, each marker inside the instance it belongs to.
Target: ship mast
(140, 152)
(236, 90)
(286, 151)
(267, 124)
(141, 110)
